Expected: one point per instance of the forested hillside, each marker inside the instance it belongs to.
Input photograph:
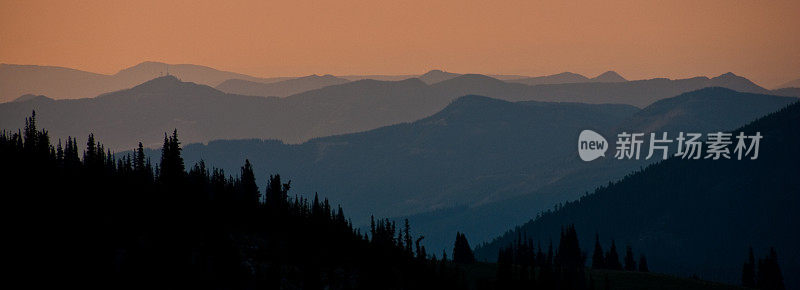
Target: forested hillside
(128, 222)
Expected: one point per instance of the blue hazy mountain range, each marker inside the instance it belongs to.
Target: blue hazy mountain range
(480, 165)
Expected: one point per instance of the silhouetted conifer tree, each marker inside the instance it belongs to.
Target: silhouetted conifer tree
(769, 272)
(250, 193)
(462, 253)
(171, 169)
(597, 257)
(612, 258)
(749, 270)
(643, 264)
(630, 261)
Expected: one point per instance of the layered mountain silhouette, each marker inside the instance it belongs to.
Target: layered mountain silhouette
(703, 111)
(280, 88)
(66, 83)
(476, 150)
(187, 72)
(202, 113)
(638, 93)
(694, 216)
(609, 87)
(335, 109)
(568, 77)
(481, 164)
(562, 78)
(430, 77)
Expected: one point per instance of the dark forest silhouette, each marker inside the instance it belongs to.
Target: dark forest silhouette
(107, 221)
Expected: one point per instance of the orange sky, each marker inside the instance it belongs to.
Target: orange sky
(640, 39)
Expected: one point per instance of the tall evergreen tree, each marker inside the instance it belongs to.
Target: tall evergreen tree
(749, 270)
(612, 258)
(643, 264)
(250, 193)
(462, 252)
(569, 251)
(90, 156)
(408, 239)
(597, 258)
(769, 275)
(138, 156)
(276, 195)
(171, 170)
(630, 261)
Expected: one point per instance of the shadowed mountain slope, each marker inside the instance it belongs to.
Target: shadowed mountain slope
(696, 216)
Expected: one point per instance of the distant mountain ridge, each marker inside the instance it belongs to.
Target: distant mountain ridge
(335, 109)
(203, 113)
(430, 163)
(67, 83)
(568, 77)
(609, 87)
(280, 88)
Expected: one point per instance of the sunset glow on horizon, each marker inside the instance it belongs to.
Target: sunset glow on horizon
(639, 39)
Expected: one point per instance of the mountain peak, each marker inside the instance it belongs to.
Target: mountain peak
(165, 84)
(566, 74)
(737, 83)
(609, 77)
(437, 75)
(728, 76)
(167, 79)
(31, 97)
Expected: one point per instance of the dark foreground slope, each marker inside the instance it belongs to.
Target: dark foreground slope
(698, 216)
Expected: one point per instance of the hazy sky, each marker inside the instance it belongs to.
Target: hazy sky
(640, 39)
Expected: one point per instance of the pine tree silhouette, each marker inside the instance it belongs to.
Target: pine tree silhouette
(250, 194)
(630, 262)
(612, 258)
(769, 275)
(597, 258)
(462, 252)
(643, 264)
(749, 270)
